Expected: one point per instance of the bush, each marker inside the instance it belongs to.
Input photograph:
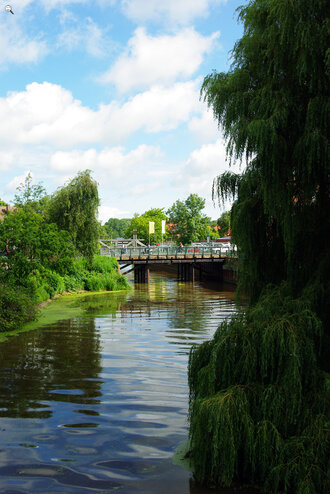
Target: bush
(73, 283)
(16, 308)
(44, 284)
(101, 274)
(111, 281)
(18, 303)
(103, 264)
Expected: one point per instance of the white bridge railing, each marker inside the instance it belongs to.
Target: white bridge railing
(167, 252)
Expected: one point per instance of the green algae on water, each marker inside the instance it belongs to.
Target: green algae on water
(70, 306)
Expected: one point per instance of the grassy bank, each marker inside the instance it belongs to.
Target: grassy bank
(19, 301)
(71, 305)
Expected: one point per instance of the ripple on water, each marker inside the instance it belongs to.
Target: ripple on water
(99, 402)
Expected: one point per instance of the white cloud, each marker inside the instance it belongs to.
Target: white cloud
(48, 114)
(200, 170)
(6, 160)
(160, 108)
(83, 35)
(203, 165)
(122, 175)
(145, 188)
(173, 11)
(17, 48)
(108, 164)
(49, 5)
(151, 60)
(106, 212)
(204, 127)
(18, 180)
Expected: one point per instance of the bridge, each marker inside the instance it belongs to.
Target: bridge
(192, 262)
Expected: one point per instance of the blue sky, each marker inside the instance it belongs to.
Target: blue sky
(113, 86)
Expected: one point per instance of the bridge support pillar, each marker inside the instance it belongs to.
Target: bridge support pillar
(141, 273)
(187, 272)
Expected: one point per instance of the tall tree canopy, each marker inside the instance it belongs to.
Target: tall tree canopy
(141, 225)
(224, 223)
(272, 106)
(74, 208)
(258, 390)
(190, 224)
(32, 243)
(115, 227)
(31, 196)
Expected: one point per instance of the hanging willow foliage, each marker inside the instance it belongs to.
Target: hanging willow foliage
(273, 108)
(74, 208)
(257, 392)
(258, 401)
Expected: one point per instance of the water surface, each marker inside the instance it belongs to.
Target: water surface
(98, 402)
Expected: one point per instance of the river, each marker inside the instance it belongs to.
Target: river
(95, 399)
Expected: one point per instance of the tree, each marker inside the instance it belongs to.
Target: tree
(141, 225)
(115, 227)
(258, 391)
(74, 208)
(224, 223)
(31, 196)
(189, 223)
(32, 243)
(272, 107)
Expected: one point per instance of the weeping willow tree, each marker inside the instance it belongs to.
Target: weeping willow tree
(74, 208)
(258, 396)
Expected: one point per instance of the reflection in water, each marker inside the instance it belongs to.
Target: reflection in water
(98, 402)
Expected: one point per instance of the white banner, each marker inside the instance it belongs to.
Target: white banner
(163, 226)
(151, 227)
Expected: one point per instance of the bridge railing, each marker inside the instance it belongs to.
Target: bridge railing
(165, 252)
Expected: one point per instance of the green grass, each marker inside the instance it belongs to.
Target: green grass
(18, 302)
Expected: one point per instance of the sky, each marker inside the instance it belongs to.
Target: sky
(114, 86)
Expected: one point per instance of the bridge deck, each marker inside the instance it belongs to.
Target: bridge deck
(141, 255)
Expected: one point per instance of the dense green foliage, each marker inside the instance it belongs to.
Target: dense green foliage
(224, 224)
(189, 224)
(273, 107)
(31, 196)
(258, 401)
(115, 227)
(39, 257)
(19, 296)
(74, 209)
(102, 274)
(141, 225)
(16, 307)
(258, 396)
(32, 243)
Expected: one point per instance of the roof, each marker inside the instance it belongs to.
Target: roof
(223, 239)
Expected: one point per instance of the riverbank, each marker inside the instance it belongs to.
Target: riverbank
(20, 300)
(62, 306)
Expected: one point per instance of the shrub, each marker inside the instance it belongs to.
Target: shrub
(105, 281)
(104, 264)
(44, 284)
(16, 307)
